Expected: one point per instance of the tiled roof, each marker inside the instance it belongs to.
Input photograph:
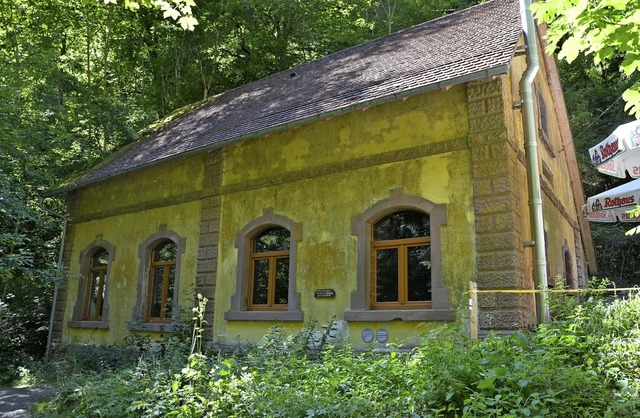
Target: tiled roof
(471, 44)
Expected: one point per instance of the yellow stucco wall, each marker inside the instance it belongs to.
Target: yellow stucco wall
(175, 180)
(114, 211)
(326, 204)
(559, 210)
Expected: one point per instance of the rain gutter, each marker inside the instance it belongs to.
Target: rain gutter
(533, 171)
(478, 75)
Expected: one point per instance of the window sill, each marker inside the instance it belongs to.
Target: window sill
(264, 316)
(439, 315)
(89, 324)
(151, 326)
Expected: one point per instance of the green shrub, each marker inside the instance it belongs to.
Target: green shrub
(585, 363)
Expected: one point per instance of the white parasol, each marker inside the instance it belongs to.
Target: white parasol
(619, 152)
(612, 205)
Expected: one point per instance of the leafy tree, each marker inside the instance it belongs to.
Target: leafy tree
(179, 10)
(606, 30)
(387, 16)
(57, 115)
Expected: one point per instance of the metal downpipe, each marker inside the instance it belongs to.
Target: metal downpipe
(533, 171)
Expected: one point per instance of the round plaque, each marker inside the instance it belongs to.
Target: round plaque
(367, 335)
(382, 335)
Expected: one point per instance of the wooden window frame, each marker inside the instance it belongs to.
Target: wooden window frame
(272, 256)
(140, 320)
(401, 245)
(166, 266)
(102, 275)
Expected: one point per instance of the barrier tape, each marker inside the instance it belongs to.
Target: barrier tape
(617, 289)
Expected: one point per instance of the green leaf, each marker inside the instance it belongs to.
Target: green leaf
(632, 97)
(132, 5)
(172, 13)
(633, 231)
(188, 22)
(571, 49)
(487, 383)
(631, 63)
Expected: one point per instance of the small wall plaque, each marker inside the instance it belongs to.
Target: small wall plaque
(324, 293)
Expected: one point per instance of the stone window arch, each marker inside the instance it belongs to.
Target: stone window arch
(363, 307)
(159, 282)
(242, 305)
(92, 302)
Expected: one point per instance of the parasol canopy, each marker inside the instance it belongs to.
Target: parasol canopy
(612, 205)
(619, 152)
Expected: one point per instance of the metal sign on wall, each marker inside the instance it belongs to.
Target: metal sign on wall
(324, 293)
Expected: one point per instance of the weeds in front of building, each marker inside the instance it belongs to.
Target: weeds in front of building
(585, 362)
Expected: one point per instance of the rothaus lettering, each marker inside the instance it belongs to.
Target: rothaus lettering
(608, 150)
(619, 201)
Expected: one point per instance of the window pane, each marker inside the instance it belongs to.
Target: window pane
(168, 307)
(274, 239)
(260, 282)
(419, 273)
(387, 275)
(165, 252)
(156, 293)
(94, 293)
(282, 281)
(401, 225)
(100, 258)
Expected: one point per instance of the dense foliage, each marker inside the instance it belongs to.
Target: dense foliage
(583, 364)
(604, 30)
(599, 71)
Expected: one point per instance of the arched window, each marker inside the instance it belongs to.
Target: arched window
(401, 257)
(157, 298)
(399, 264)
(266, 271)
(269, 270)
(162, 277)
(96, 285)
(91, 309)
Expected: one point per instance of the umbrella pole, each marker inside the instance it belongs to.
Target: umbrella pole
(533, 172)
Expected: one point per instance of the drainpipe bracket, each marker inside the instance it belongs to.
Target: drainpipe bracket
(517, 104)
(529, 244)
(520, 50)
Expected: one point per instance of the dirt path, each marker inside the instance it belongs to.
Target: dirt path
(15, 402)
